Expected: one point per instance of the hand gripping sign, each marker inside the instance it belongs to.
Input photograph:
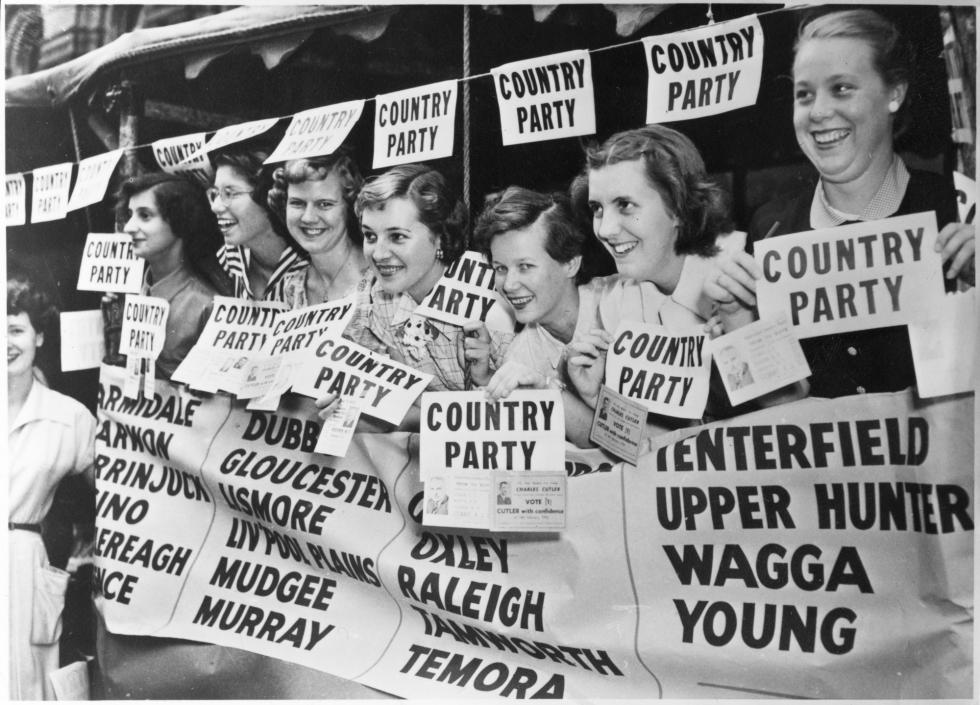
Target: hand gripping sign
(667, 372)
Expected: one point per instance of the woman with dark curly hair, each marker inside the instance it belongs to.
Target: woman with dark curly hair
(49, 436)
(414, 227)
(543, 266)
(172, 228)
(258, 253)
(315, 198)
(655, 211)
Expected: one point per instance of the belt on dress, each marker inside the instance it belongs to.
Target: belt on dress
(13, 526)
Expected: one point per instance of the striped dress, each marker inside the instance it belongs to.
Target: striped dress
(235, 260)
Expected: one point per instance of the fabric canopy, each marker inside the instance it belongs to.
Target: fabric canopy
(193, 41)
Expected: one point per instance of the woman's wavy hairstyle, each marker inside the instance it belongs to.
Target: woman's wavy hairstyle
(24, 296)
(674, 167)
(249, 164)
(892, 56)
(298, 171)
(184, 206)
(516, 208)
(440, 210)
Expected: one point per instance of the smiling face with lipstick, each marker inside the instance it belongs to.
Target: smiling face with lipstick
(844, 109)
(652, 203)
(535, 247)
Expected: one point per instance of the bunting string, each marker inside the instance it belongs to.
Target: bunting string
(568, 111)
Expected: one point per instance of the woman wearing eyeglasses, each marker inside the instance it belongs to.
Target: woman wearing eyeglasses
(315, 198)
(258, 253)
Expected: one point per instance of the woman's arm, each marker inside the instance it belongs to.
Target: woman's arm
(731, 286)
(587, 364)
(958, 244)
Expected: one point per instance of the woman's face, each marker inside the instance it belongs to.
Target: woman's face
(241, 219)
(632, 221)
(316, 214)
(536, 285)
(841, 114)
(22, 344)
(152, 237)
(401, 249)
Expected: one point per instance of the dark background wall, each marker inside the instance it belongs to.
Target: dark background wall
(752, 150)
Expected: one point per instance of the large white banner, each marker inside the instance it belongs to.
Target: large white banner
(822, 549)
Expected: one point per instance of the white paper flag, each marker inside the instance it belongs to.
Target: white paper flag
(703, 71)
(93, 179)
(238, 133)
(414, 125)
(184, 155)
(545, 98)
(318, 131)
(49, 197)
(15, 211)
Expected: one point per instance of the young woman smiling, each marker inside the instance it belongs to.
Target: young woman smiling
(49, 436)
(168, 219)
(851, 75)
(414, 227)
(258, 253)
(315, 198)
(655, 211)
(536, 248)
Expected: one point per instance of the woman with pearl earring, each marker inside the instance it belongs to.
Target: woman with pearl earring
(851, 77)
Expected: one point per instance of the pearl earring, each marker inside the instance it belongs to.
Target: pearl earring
(893, 106)
(439, 253)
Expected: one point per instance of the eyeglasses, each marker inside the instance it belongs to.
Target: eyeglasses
(226, 194)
